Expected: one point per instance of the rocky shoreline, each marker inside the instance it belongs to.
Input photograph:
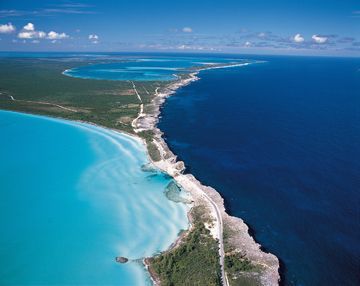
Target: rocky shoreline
(238, 237)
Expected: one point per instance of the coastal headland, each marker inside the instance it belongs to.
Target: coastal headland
(231, 233)
(233, 257)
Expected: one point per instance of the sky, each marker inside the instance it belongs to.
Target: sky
(300, 27)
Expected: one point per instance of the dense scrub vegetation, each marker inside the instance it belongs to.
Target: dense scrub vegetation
(237, 262)
(240, 270)
(38, 85)
(193, 262)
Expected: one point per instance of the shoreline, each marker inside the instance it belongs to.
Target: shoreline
(201, 193)
(147, 121)
(136, 146)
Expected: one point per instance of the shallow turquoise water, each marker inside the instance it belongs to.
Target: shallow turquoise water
(144, 69)
(73, 197)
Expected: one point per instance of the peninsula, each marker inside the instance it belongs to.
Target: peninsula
(217, 248)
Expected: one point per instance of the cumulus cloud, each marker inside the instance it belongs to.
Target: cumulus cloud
(31, 35)
(183, 47)
(247, 44)
(192, 47)
(319, 39)
(298, 38)
(41, 34)
(7, 28)
(29, 27)
(94, 38)
(56, 36)
(25, 35)
(187, 30)
(29, 32)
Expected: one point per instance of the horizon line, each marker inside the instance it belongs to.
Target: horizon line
(188, 52)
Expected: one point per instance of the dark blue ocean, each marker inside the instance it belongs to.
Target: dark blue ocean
(281, 142)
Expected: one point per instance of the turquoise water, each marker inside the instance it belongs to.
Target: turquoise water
(73, 197)
(144, 69)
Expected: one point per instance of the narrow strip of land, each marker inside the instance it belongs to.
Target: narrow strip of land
(221, 239)
(187, 183)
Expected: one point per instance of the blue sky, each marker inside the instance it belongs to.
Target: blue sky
(310, 27)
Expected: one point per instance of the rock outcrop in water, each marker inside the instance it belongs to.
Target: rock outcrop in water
(121, 259)
(174, 193)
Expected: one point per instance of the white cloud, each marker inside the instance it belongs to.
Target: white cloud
(29, 32)
(189, 47)
(94, 38)
(29, 27)
(261, 35)
(298, 38)
(41, 34)
(247, 44)
(319, 40)
(26, 35)
(7, 28)
(187, 30)
(32, 35)
(56, 36)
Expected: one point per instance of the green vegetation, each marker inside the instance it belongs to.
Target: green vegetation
(38, 86)
(194, 262)
(237, 262)
(240, 270)
(244, 281)
(153, 151)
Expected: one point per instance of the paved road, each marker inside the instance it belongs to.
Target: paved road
(221, 239)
